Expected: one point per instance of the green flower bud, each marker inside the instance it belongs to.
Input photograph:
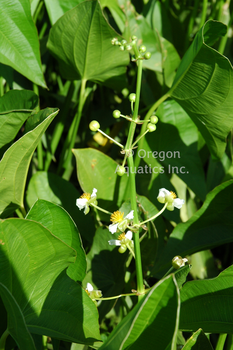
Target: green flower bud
(142, 48)
(122, 249)
(132, 97)
(154, 119)
(116, 114)
(123, 42)
(151, 127)
(178, 262)
(170, 207)
(114, 40)
(128, 47)
(134, 37)
(122, 48)
(117, 42)
(120, 170)
(147, 55)
(94, 125)
(123, 225)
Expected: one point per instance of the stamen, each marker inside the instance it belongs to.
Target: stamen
(117, 216)
(173, 195)
(121, 236)
(86, 196)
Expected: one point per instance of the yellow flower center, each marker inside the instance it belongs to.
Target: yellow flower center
(122, 236)
(86, 196)
(117, 216)
(173, 195)
(87, 291)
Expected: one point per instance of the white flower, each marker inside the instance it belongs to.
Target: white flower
(169, 197)
(119, 222)
(85, 200)
(124, 241)
(93, 294)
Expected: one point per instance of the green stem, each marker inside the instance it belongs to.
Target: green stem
(139, 138)
(221, 341)
(122, 295)
(70, 141)
(191, 23)
(203, 13)
(155, 216)
(138, 261)
(223, 41)
(57, 133)
(110, 138)
(3, 339)
(130, 249)
(147, 117)
(101, 209)
(39, 146)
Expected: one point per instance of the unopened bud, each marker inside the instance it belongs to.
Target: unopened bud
(94, 125)
(151, 127)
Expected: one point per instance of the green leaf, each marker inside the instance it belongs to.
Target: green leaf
(180, 155)
(203, 87)
(198, 341)
(96, 170)
(15, 107)
(60, 224)
(52, 303)
(203, 265)
(19, 40)
(53, 188)
(57, 8)
(67, 314)
(116, 12)
(206, 304)
(211, 226)
(154, 320)
(81, 41)
(15, 163)
(16, 322)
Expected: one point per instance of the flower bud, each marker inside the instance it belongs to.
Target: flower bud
(134, 37)
(122, 249)
(94, 125)
(128, 47)
(142, 48)
(132, 97)
(117, 42)
(120, 170)
(122, 48)
(116, 114)
(178, 262)
(123, 42)
(147, 55)
(114, 40)
(151, 127)
(154, 119)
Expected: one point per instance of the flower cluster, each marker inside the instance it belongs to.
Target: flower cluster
(170, 198)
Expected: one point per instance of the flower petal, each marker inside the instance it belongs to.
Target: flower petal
(129, 235)
(94, 193)
(178, 203)
(113, 228)
(114, 242)
(130, 215)
(81, 203)
(89, 287)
